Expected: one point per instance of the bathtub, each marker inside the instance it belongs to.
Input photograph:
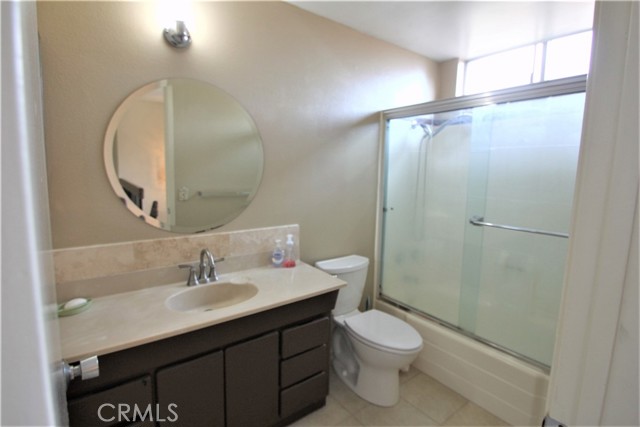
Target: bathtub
(502, 384)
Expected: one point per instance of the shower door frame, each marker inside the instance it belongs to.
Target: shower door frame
(566, 86)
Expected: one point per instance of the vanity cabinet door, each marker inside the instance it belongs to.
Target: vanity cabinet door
(126, 404)
(191, 393)
(252, 382)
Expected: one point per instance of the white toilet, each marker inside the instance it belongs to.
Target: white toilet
(369, 348)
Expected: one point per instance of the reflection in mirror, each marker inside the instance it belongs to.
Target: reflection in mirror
(183, 155)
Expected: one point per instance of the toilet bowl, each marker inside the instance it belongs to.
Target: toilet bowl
(369, 348)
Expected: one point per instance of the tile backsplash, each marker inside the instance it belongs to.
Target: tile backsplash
(93, 271)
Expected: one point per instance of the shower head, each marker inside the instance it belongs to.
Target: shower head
(428, 124)
(463, 118)
(426, 127)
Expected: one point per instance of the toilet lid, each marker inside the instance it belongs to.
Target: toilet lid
(384, 330)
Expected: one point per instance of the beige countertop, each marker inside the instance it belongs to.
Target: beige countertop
(125, 320)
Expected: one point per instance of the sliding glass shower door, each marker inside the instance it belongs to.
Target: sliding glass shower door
(477, 203)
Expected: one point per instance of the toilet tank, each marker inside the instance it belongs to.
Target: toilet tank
(353, 270)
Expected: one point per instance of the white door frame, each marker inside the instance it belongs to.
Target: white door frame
(605, 209)
(33, 389)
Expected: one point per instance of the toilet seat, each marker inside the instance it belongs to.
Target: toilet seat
(384, 332)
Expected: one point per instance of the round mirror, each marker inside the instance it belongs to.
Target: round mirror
(183, 155)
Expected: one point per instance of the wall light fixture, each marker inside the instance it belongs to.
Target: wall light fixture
(179, 36)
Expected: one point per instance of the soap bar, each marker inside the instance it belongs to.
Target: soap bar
(76, 302)
(74, 306)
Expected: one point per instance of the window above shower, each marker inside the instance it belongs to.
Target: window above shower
(549, 60)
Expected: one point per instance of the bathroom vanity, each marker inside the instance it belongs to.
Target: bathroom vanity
(261, 362)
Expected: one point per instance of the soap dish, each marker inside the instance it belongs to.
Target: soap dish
(62, 312)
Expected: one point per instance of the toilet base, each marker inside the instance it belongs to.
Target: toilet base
(378, 386)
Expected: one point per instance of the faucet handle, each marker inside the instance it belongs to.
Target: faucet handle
(193, 278)
(213, 274)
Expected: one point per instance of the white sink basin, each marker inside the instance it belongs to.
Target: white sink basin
(211, 296)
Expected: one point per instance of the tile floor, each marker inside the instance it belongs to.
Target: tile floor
(423, 402)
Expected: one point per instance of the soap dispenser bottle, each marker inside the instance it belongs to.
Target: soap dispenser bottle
(277, 257)
(289, 252)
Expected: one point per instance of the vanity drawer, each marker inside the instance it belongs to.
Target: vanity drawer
(303, 366)
(304, 337)
(306, 393)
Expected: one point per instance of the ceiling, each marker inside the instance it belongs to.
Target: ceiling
(443, 30)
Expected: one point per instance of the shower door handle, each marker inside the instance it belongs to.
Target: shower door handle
(480, 222)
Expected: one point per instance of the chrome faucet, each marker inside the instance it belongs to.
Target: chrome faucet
(204, 275)
(207, 260)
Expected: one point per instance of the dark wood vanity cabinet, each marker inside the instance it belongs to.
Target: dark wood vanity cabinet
(266, 369)
(109, 407)
(192, 392)
(251, 373)
(304, 367)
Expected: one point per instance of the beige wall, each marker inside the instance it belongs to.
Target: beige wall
(448, 78)
(312, 86)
